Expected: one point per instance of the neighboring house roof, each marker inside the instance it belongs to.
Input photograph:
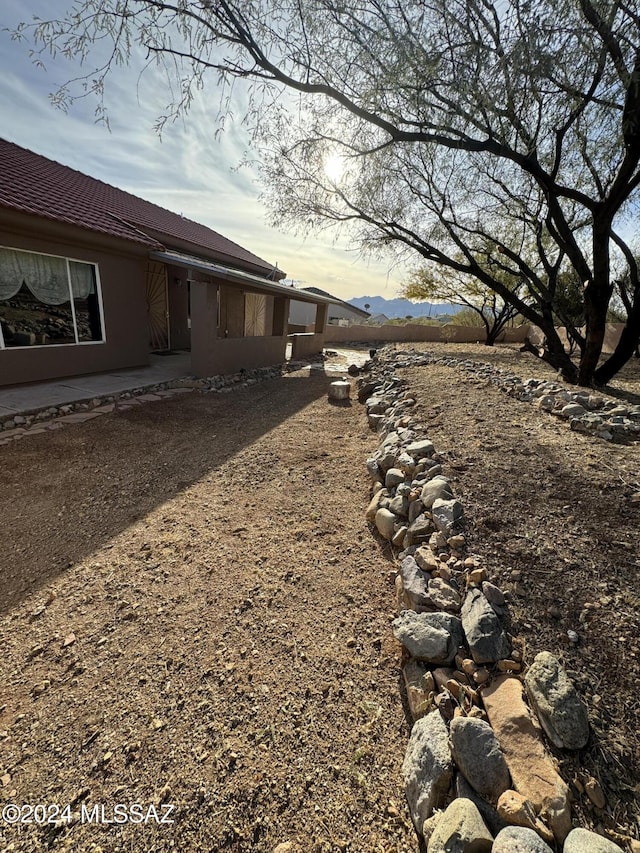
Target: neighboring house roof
(379, 318)
(35, 185)
(337, 301)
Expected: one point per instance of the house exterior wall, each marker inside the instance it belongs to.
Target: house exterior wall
(122, 281)
(212, 351)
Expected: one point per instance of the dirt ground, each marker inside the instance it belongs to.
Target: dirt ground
(193, 612)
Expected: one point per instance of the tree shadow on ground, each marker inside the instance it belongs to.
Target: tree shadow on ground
(68, 492)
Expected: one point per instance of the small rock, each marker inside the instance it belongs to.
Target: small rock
(393, 478)
(516, 810)
(438, 488)
(583, 841)
(385, 522)
(477, 576)
(460, 829)
(420, 449)
(419, 685)
(519, 839)
(431, 637)
(595, 793)
(447, 514)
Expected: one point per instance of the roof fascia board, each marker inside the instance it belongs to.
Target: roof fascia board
(248, 281)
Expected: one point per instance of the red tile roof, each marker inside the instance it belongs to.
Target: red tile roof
(32, 184)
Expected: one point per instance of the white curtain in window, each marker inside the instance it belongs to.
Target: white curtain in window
(46, 277)
(81, 279)
(10, 273)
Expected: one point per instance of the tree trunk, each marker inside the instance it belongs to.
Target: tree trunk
(597, 294)
(627, 346)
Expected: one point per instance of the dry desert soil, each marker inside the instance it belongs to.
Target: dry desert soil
(194, 613)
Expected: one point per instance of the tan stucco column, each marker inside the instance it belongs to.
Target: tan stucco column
(280, 316)
(204, 327)
(321, 318)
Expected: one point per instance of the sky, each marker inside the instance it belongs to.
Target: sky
(188, 170)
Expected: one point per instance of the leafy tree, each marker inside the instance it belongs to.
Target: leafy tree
(457, 123)
(484, 305)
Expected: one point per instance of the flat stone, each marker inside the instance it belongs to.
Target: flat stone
(79, 417)
(460, 829)
(561, 712)
(427, 768)
(430, 637)
(487, 640)
(420, 449)
(533, 773)
(583, 841)
(477, 753)
(519, 839)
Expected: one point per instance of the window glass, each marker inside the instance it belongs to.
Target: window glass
(36, 293)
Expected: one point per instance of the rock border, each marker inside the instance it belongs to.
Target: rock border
(39, 420)
(585, 411)
(478, 775)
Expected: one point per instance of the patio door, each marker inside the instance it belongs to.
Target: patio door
(157, 306)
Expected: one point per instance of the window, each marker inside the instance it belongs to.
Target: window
(47, 300)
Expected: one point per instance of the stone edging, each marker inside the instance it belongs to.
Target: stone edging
(36, 421)
(477, 774)
(584, 410)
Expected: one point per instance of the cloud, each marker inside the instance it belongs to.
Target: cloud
(189, 169)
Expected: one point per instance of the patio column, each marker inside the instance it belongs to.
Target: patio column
(321, 318)
(204, 327)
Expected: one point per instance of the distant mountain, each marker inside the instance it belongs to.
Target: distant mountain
(401, 307)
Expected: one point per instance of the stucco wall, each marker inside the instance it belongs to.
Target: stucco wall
(122, 280)
(306, 344)
(418, 333)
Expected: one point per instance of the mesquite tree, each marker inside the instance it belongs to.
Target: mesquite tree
(445, 285)
(457, 124)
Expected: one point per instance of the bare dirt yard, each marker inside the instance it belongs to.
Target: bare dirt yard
(193, 612)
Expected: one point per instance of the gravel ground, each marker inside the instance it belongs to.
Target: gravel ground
(194, 613)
